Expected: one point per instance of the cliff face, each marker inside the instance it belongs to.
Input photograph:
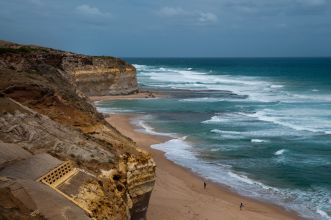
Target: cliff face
(99, 76)
(45, 113)
(94, 76)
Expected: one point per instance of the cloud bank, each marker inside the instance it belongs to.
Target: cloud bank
(172, 28)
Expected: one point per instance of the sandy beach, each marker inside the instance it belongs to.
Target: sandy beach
(180, 194)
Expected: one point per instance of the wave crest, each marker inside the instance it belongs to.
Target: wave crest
(280, 152)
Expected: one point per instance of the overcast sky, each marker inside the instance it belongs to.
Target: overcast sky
(172, 28)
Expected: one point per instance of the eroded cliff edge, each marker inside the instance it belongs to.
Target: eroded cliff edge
(46, 122)
(93, 75)
(101, 76)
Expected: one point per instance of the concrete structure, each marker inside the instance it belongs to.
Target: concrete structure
(59, 174)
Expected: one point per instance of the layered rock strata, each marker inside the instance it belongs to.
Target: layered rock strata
(44, 111)
(100, 76)
(93, 75)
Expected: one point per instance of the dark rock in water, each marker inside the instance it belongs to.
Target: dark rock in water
(185, 93)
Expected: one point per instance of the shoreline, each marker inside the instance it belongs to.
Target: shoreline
(138, 95)
(179, 193)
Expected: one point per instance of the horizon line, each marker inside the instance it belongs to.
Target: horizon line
(221, 57)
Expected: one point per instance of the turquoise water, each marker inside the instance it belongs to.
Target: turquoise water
(260, 126)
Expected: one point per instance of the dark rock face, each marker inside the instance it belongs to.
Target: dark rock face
(44, 110)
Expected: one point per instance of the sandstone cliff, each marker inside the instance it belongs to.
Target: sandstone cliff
(46, 119)
(99, 76)
(93, 75)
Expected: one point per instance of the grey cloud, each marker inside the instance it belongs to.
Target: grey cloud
(190, 16)
(91, 11)
(206, 17)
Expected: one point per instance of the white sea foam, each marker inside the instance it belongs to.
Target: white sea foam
(214, 119)
(261, 89)
(190, 79)
(181, 152)
(110, 110)
(204, 99)
(289, 118)
(140, 122)
(258, 140)
(225, 132)
(227, 118)
(279, 152)
(228, 134)
(247, 180)
(176, 150)
(211, 99)
(222, 118)
(276, 86)
(141, 67)
(297, 120)
(242, 178)
(183, 138)
(323, 214)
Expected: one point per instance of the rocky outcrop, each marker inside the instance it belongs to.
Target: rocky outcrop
(93, 75)
(100, 76)
(45, 112)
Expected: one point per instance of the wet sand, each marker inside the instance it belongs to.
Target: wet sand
(180, 194)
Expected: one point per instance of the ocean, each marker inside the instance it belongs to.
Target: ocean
(261, 126)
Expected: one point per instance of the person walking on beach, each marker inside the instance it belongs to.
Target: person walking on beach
(241, 206)
(204, 185)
